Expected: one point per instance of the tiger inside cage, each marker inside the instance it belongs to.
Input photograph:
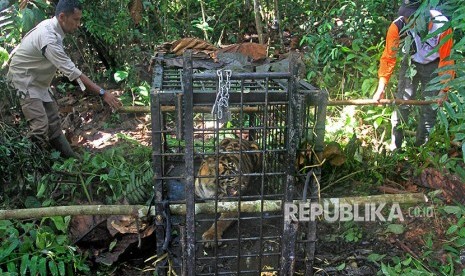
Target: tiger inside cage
(230, 149)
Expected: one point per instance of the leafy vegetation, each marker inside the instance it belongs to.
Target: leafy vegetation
(26, 164)
(30, 248)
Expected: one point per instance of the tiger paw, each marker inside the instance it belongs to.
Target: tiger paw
(209, 239)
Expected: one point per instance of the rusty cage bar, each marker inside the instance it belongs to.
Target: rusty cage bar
(275, 124)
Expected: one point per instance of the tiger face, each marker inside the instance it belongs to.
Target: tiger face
(231, 168)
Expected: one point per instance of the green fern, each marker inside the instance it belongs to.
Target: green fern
(139, 188)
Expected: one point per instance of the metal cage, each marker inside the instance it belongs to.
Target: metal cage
(285, 117)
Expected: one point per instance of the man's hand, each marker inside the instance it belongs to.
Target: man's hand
(112, 101)
(380, 94)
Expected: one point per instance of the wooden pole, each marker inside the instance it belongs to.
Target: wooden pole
(202, 208)
(381, 102)
(165, 108)
(251, 109)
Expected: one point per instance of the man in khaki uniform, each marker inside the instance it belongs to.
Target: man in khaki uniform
(32, 67)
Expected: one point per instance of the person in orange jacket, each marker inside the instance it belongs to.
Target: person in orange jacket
(423, 56)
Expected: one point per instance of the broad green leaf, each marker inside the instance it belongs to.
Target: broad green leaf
(407, 261)
(458, 169)
(3, 55)
(143, 91)
(450, 249)
(120, 75)
(24, 264)
(11, 247)
(341, 266)
(61, 268)
(462, 232)
(452, 229)
(443, 120)
(11, 268)
(456, 210)
(429, 241)
(345, 49)
(59, 223)
(41, 190)
(112, 245)
(27, 19)
(33, 265)
(460, 242)
(53, 267)
(378, 122)
(4, 224)
(350, 56)
(450, 111)
(395, 228)
(461, 43)
(61, 239)
(375, 257)
(459, 137)
(27, 245)
(443, 159)
(41, 241)
(458, 128)
(387, 270)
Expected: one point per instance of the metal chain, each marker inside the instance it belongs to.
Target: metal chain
(222, 97)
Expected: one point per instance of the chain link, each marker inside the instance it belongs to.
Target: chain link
(221, 106)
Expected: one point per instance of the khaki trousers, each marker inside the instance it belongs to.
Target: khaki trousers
(43, 120)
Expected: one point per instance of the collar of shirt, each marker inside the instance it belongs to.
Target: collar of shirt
(57, 28)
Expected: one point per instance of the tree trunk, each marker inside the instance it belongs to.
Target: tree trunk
(258, 21)
(278, 20)
(204, 19)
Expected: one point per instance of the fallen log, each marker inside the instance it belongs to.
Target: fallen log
(202, 208)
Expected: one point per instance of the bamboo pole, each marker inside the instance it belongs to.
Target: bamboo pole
(168, 108)
(381, 102)
(251, 109)
(202, 208)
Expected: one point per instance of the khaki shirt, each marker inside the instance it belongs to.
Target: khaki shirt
(36, 60)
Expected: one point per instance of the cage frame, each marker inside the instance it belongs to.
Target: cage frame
(300, 94)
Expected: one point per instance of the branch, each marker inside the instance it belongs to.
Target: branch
(200, 208)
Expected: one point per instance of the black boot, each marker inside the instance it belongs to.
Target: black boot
(61, 144)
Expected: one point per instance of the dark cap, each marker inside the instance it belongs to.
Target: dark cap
(409, 7)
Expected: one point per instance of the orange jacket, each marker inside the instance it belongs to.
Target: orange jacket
(388, 59)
